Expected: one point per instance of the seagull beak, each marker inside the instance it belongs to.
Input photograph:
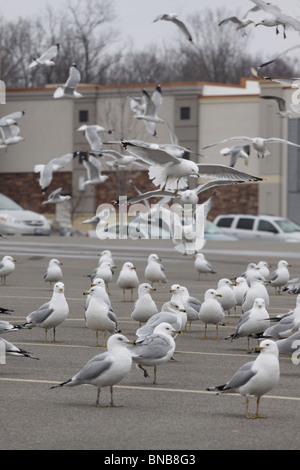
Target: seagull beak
(171, 290)
(133, 267)
(218, 295)
(177, 332)
(153, 288)
(258, 348)
(86, 292)
(130, 342)
(182, 310)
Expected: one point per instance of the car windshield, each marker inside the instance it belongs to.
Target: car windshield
(288, 226)
(8, 204)
(210, 227)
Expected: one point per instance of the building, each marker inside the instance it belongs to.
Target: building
(198, 113)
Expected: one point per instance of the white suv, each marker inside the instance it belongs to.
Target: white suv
(259, 227)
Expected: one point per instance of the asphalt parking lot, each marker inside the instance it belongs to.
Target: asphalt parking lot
(176, 414)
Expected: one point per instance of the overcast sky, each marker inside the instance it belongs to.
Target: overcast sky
(135, 18)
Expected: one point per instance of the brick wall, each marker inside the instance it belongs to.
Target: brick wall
(25, 190)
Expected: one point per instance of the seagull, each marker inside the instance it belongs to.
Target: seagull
(105, 255)
(99, 316)
(201, 265)
(144, 307)
(98, 281)
(100, 217)
(105, 271)
(51, 314)
(46, 171)
(235, 152)
(56, 197)
(154, 349)
(166, 170)
(280, 277)
(6, 326)
(149, 116)
(227, 297)
(7, 266)
(240, 23)
(118, 158)
(5, 311)
(155, 271)
(251, 323)
(94, 170)
(46, 57)
(255, 378)
(256, 289)
(10, 135)
(174, 18)
(211, 311)
(10, 130)
(276, 17)
(286, 325)
(171, 312)
(190, 304)
(128, 279)
(69, 89)
(240, 287)
(91, 133)
(13, 350)
(281, 103)
(53, 272)
(292, 287)
(106, 369)
(294, 82)
(259, 143)
(228, 174)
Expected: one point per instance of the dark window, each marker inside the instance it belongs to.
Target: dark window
(185, 113)
(245, 223)
(83, 115)
(225, 222)
(265, 226)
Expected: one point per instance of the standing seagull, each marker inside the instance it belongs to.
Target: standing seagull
(154, 349)
(106, 369)
(202, 265)
(155, 271)
(174, 18)
(7, 266)
(255, 378)
(53, 272)
(280, 277)
(51, 314)
(46, 57)
(69, 89)
(128, 279)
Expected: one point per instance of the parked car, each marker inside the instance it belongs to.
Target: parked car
(259, 227)
(14, 220)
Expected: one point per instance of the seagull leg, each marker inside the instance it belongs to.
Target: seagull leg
(46, 340)
(217, 328)
(145, 372)
(124, 296)
(131, 299)
(98, 396)
(249, 416)
(54, 339)
(257, 407)
(205, 337)
(155, 370)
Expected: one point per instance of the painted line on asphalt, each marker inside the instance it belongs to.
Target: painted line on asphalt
(143, 388)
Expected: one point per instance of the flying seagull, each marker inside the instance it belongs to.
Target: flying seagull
(281, 103)
(46, 57)
(46, 171)
(259, 143)
(235, 152)
(69, 89)
(56, 197)
(240, 24)
(174, 18)
(148, 113)
(274, 16)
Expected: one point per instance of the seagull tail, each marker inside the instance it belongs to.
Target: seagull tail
(62, 384)
(218, 388)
